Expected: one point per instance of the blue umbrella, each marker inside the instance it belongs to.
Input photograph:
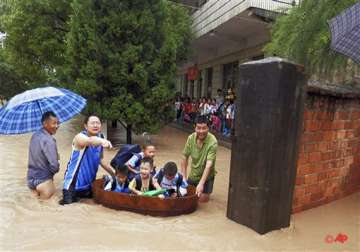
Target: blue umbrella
(23, 112)
(345, 32)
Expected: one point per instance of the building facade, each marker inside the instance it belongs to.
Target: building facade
(227, 33)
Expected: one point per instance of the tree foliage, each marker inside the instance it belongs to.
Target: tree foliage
(304, 36)
(36, 32)
(122, 56)
(11, 82)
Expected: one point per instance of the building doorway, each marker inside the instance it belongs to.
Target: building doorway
(230, 75)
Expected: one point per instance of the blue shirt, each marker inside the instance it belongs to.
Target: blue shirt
(134, 162)
(43, 156)
(82, 167)
(121, 187)
(111, 183)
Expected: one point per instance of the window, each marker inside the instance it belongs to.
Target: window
(209, 77)
(185, 87)
(230, 75)
(191, 93)
(199, 85)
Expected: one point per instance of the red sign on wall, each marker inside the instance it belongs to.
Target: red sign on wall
(192, 73)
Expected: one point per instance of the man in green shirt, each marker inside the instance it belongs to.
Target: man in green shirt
(201, 146)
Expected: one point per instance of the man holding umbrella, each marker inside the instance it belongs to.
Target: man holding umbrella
(43, 157)
(22, 114)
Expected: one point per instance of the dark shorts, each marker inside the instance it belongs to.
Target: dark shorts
(208, 186)
(34, 182)
(74, 196)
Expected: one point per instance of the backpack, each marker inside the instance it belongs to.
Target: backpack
(124, 154)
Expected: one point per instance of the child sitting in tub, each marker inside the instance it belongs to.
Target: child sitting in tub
(169, 178)
(119, 182)
(143, 182)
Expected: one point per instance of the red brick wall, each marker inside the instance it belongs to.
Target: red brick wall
(328, 167)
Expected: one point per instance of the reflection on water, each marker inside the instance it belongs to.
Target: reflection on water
(29, 224)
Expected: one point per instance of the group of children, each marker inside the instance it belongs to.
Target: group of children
(138, 176)
(220, 111)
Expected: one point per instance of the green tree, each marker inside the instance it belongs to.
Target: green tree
(11, 83)
(36, 32)
(4, 9)
(122, 57)
(304, 36)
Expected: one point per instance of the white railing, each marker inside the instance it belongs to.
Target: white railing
(216, 12)
(274, 5)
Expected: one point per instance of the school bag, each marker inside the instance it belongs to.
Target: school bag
(124, 154)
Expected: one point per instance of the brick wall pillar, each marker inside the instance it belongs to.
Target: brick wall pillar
(328, 167)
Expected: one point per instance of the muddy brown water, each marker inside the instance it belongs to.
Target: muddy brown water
(29, 224)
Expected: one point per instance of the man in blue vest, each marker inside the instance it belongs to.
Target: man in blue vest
(86, 156)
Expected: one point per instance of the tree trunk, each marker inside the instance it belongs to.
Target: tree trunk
(128, 134)
(114, 124)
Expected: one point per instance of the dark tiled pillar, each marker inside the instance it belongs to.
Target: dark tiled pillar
(269, 111)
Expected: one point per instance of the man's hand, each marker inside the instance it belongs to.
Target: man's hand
(199, 189)
(106, 144)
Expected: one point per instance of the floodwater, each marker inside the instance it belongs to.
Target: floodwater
(29, 224)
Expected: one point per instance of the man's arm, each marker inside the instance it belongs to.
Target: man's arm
(205, 175)
(107, 167)
(50, 151)
(184, 165)
(211, 157)
(81, 141)
(185, 160)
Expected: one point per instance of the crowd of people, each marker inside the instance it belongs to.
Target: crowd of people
(219, 110)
